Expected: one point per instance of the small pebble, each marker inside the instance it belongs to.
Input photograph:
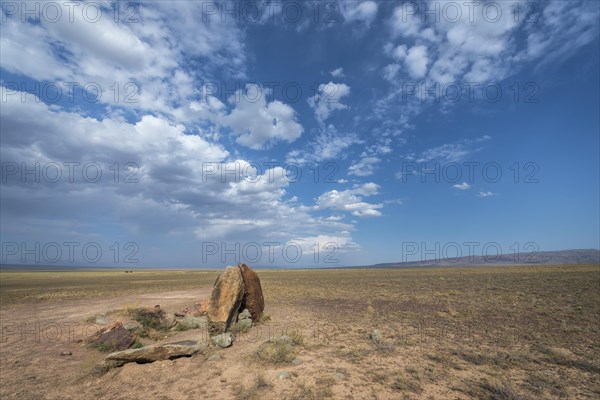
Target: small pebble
(297, 361)
(283, 375)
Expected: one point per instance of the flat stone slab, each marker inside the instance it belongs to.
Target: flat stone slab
(155, 352)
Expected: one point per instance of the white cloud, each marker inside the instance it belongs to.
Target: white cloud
(351, 200)
(328, 99)
(416, 61)
(364, 11)
(390, 71)
(107, 53)
(485, 194)
(327, 145)
(337, 73)
(478, 47)
(172, 184)
(452, 152)
(364, 167)
(445, 153)
(258, 124)
(462, 186)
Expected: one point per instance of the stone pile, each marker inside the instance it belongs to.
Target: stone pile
(236, 302)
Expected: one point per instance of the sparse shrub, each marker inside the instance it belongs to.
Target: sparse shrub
(500, 391)
(276, 353)
(253, 391)
(403, 384)
(265, 318)
(297, 338)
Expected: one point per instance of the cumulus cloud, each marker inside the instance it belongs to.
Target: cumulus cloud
(482, 44)
(485, 194)
(258, 124)
(328, 99)
(141, 55)
(362, 11)
(186, 186)
(351, 200)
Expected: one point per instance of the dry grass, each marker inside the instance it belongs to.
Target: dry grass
(31, 286)
(522, 332)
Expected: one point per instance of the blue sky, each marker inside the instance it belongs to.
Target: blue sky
(450, 127)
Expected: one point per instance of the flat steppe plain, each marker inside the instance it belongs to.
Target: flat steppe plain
(518, 332)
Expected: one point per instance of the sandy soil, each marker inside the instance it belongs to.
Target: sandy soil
(336, 314)
(34, 335)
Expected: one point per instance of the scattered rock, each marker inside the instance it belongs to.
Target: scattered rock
(297, 361)
(189, 322)
(133, 326)
(66, 353)
(244, 315)
(223, 340)
(152, 317)
(283, 375)
(203, 306)
(253, 296)
(214, 357)
(112, 337)
(155, 352)
(376, 336)
(243, 325)
(102, 320)
(225, 299)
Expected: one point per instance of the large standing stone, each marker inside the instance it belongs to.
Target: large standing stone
(253, 297)
(226, 298)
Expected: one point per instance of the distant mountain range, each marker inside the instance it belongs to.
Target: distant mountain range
(577, 256)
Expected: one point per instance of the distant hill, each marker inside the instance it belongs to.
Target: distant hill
(577, 256)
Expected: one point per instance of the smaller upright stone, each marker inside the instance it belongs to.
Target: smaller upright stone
(253, 298)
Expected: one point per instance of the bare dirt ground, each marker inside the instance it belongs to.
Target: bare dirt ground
(495, 333)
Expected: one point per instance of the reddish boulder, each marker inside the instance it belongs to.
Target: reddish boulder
(112, 337)
(253, 296)
(225, 299)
